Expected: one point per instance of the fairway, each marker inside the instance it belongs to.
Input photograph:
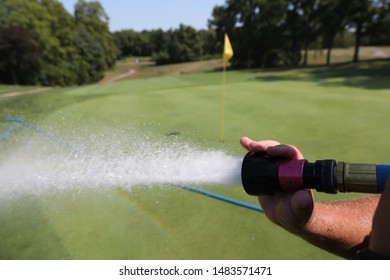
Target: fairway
(339, 112)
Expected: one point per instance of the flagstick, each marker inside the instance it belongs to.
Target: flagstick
(223, 93)
(227, 54)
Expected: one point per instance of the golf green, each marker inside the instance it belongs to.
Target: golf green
(338, 112)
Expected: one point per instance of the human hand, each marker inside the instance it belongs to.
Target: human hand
(290, 210)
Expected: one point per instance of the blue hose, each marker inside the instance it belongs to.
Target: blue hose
(8, 131)
(48, 135)
(382, 173)
(223, 198)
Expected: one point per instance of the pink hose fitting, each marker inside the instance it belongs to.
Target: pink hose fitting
(291, 174)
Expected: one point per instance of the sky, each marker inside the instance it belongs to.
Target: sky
(153, 14)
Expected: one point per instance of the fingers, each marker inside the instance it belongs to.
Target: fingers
(285, 151)
(290, 210)
(257, 146)
(271, 147)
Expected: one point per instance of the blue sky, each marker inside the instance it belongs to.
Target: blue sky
(152, 14)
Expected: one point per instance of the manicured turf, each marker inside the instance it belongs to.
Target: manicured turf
(339, 112)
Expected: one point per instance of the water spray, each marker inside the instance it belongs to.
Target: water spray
(262, 174)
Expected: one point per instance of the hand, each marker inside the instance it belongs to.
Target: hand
(291, 210)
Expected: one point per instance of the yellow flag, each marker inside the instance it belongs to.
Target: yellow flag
(227, 50)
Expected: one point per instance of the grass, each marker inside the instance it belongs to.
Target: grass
(342, 55)
(338, 112)
(8, 89)
(141, 68)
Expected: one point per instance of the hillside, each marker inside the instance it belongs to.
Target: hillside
(138, 68)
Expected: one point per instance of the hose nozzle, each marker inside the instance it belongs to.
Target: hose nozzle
(262, 174)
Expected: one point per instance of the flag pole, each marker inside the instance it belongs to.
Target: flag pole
(227, 54)
(223, 94)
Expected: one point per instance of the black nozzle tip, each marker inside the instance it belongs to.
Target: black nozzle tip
(259, 174)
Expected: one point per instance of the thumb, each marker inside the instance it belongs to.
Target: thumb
(301, 206)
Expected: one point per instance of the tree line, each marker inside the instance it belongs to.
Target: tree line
(165, 47)
(41, 43)
(267, 33)
(277, 32)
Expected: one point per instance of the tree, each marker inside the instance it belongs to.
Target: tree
(378, 32)
(222, 21)
(132, 43)
(256, 28)
(58, 45)
(158, 41)
(208, 39)
(51, 28)
(19, 56)
(359, 19)
(310, 26)
(71, 49)
(91, 64)
(293, 32)
(332, 15)
(184, 44)
(92, 17)
(175, 46)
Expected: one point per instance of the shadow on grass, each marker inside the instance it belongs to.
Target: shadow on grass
(54, 100)
(373, 75)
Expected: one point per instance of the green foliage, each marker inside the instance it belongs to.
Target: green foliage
(91, 66)
(161, 58)
(183, 45)
(92, 17)
(252, 26)
(176, 45)
(378, 31)
(63, 56)
(19, 56)
(272, 33)
(61, 74)
(131, 43)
